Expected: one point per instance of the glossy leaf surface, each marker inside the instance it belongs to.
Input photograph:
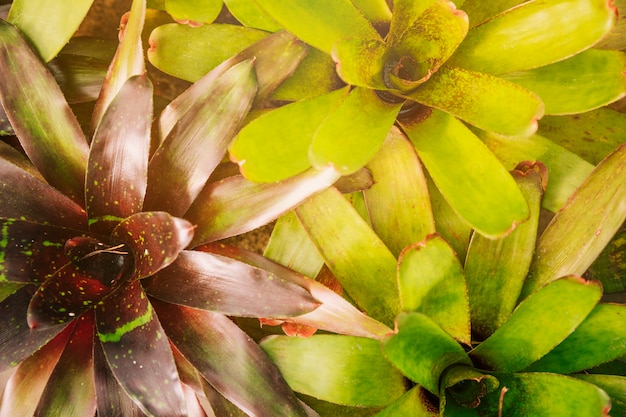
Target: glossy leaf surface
(44, 123)
(357, 257)
(482, 98)
(70, 390)
(432, 282)
(510, 41)
(285, 152)
(249, 379)
(472, 185)
(340, 369)
(155, 240)
(138, 354)
(422, 350)
(203, 11)
(49, 26)
(220, 284)
(117, 170)
(360, 124)
(589, 219)
(398, 202)
(605, 327)
(235, 205)
(320, 23)
(581, 83)
(495, 269)
(250, 14)
(210, 125)
(557, 309)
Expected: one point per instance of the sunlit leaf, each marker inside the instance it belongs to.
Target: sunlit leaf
(209, 125)
(358, 258)
(398, 202)
(249, 379)
(432, 282)
(118, 159)
(48, 25)
(482, 97)
(581, 83)
(361, 62)
(235, 205)
(248, 13)
(285, 152)
(476, 183)
(556, 310)
(155, 240)
(320, 23)
(422, 350)
(44, 123)
(599, 339)
(495, 269)
(70, 390)
(584, 226)
(376, 11)
(197, 12)
(479, 11)
(340, 369)
(510, 42)
(138, 353)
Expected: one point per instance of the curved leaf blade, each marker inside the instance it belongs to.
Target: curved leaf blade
(340, 369)
(412, 403)
(480, 11)
(250, 14)
(557, 309)
(613, 385)
(405, 13)
(197, 12)
(476, 183)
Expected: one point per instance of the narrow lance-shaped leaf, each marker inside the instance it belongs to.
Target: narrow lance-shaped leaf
(251, 381)
(583, 227)
(432, 282)
(357, 257)
(138, 353)
(581, 83)
(496, 269)
(208, 126)
(476, 183)
(48, 25)
(510, 41)
(235, 205)
(557, 309)
(398, 202)
(43, 122)
(340, 369)
(422, 350)
(70, 391)
(118, 160)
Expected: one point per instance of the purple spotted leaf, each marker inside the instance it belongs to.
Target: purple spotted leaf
(31, 251)
(117, 170)
(70, 391)
(222, 284)
(139, 356)
(250, 381)
(64, 296)
(17, 340)
(26, 197)
(154, 238)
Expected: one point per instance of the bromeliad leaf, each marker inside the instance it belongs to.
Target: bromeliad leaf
(118, 159)
(250, 14)
(194, 11)
(154, 240)
(132, 338)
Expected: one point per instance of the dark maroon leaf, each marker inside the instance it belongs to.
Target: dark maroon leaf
(229, 359)
(138, 353)
(64, 296)
(111, 399)
(70, 390)
(221, 284)
(117, 170)
(105, 263)
(43, 121)
(17, 340)
(155, 238)
(30, 252)
(25, 197)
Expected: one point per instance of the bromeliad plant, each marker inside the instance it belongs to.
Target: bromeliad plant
(510, 329)
(433, 66)
(113, 299)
